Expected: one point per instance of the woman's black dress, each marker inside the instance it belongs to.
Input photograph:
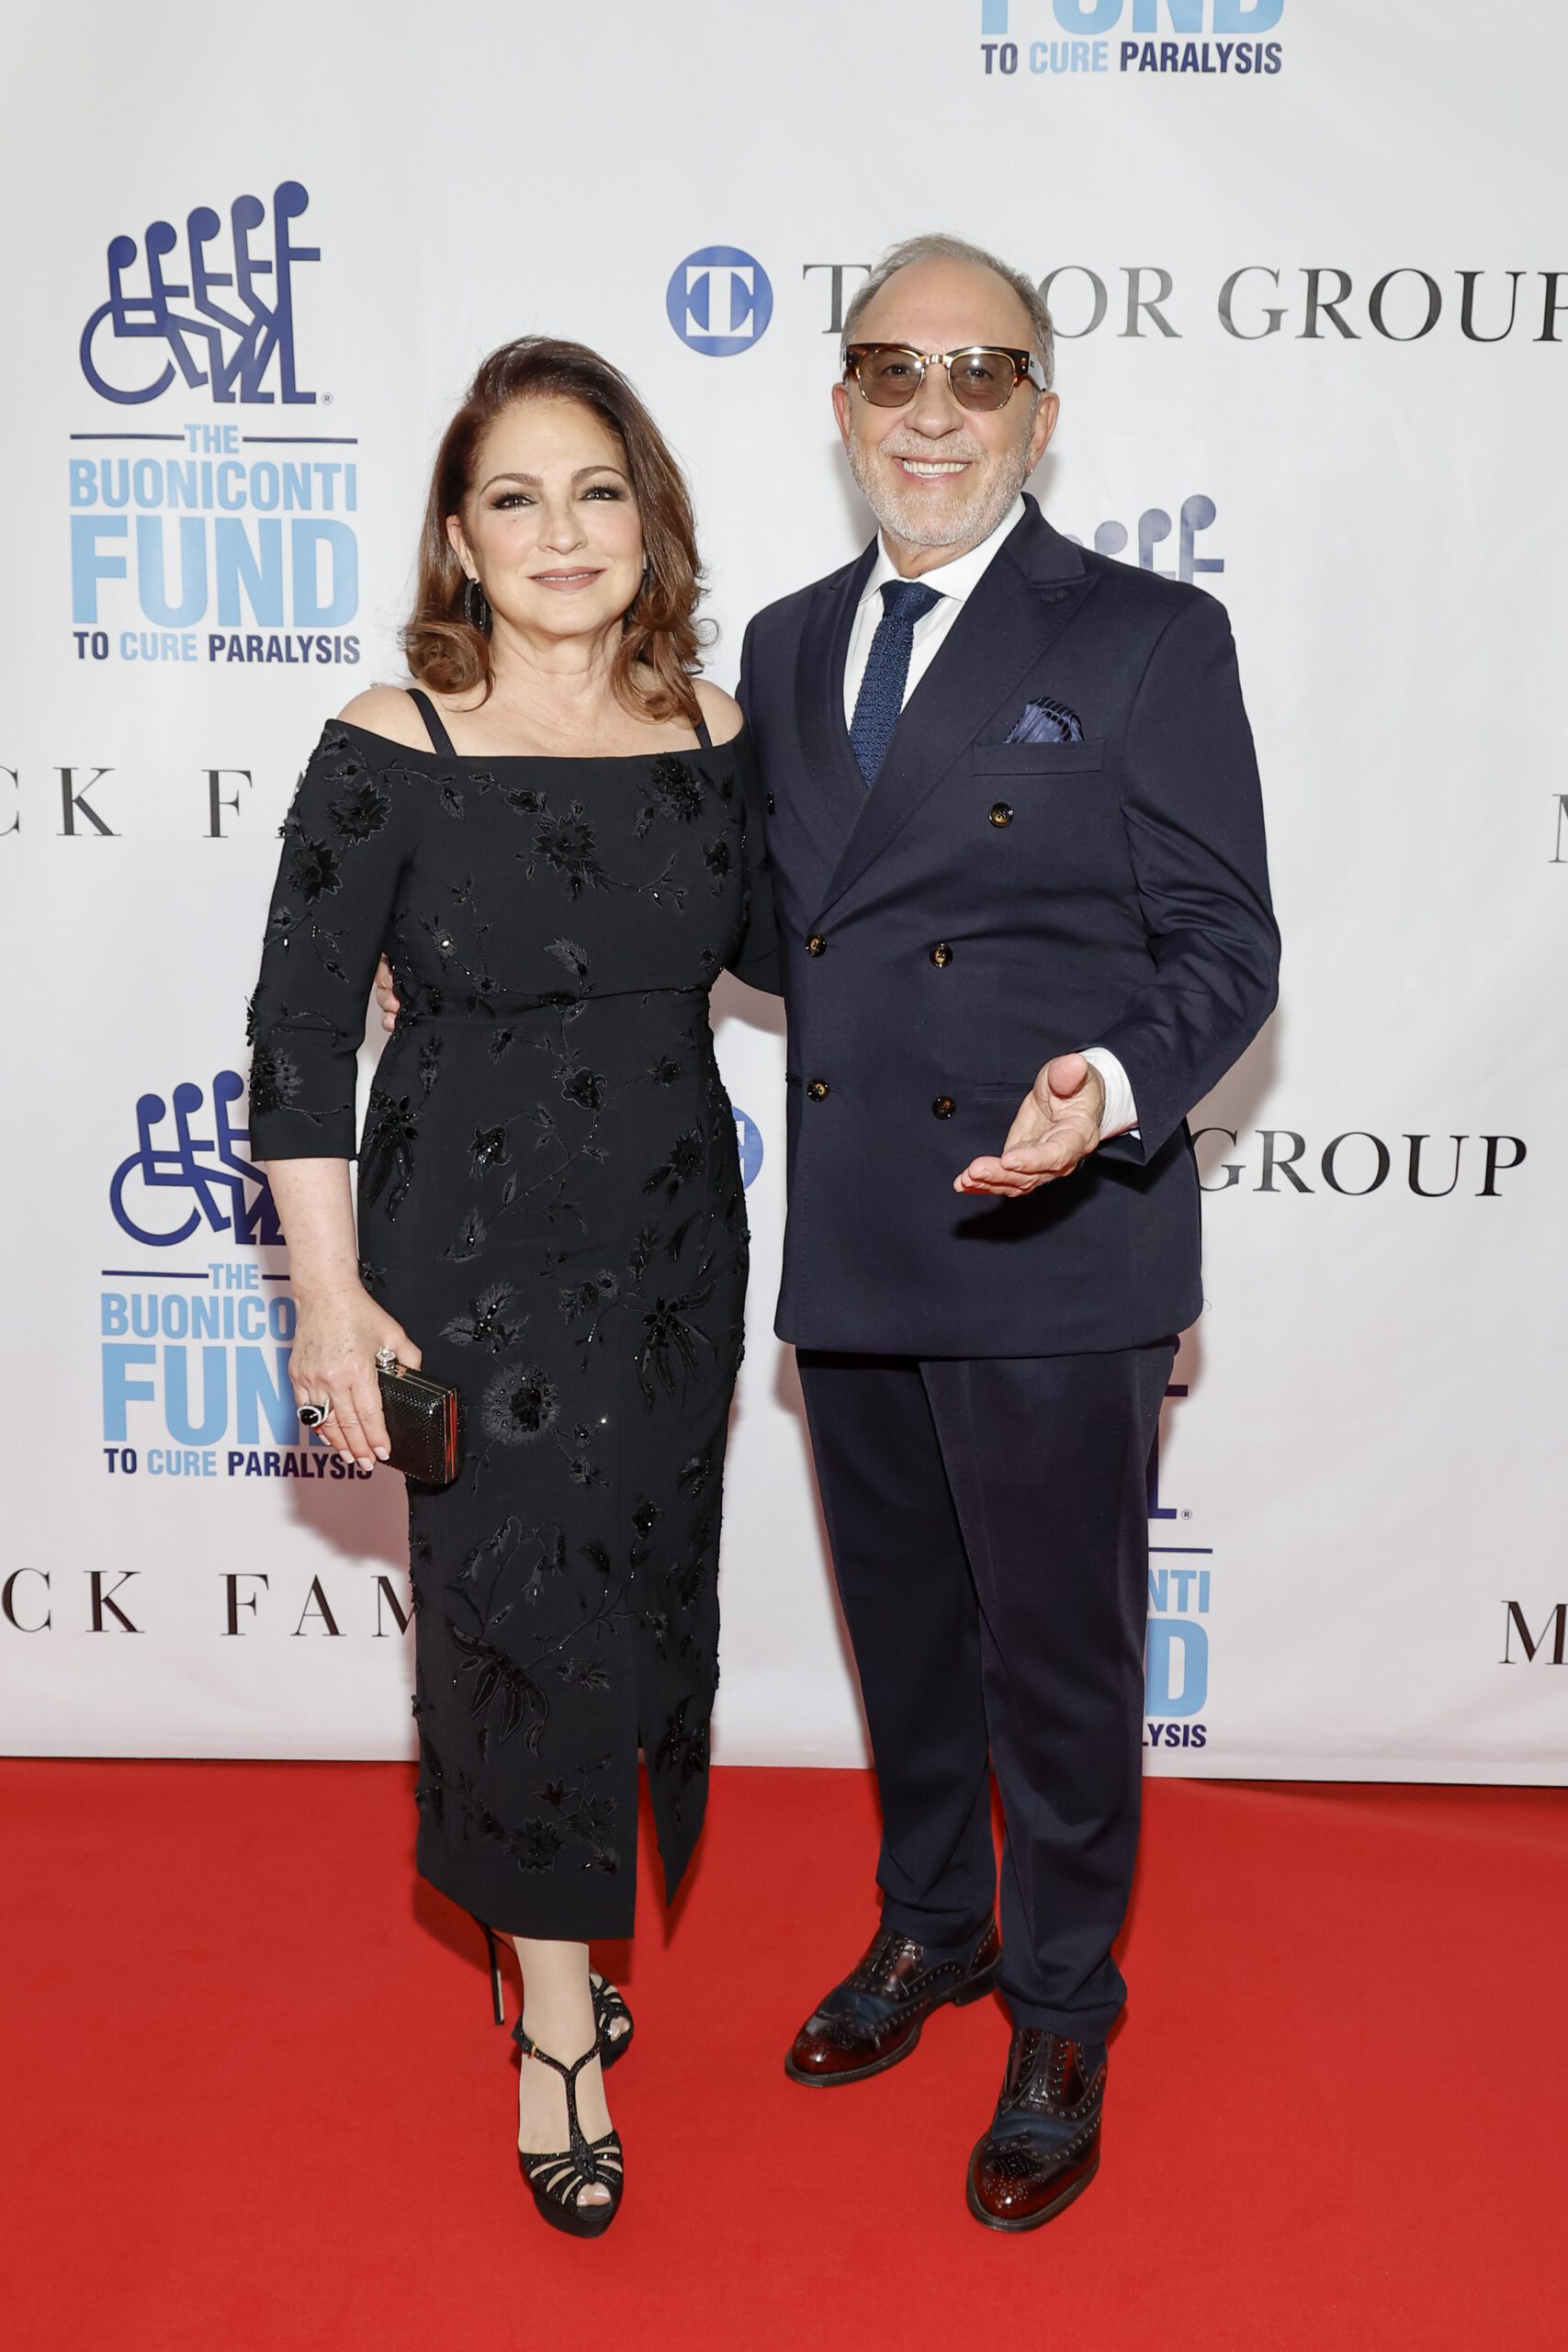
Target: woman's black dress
(550, 1203)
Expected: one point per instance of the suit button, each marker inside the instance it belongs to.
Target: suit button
(942, 955)
(817, 1090)
(816, 945)
(1001, 814)
(943, 1107)
(769, 804)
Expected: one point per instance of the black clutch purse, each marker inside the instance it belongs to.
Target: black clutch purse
(421, 1423)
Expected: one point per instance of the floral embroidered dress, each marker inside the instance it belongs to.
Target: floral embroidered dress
(550, 1203)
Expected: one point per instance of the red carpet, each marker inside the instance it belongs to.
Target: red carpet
(253, 2097)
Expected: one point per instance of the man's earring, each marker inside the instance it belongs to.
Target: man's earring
(476, 607)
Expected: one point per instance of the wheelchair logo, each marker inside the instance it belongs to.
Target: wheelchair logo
(207, 1172)
(222, 327)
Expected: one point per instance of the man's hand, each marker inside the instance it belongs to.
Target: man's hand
(386, 995)
(1057, 1126)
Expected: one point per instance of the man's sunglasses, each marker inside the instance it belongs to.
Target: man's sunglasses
(980, 376)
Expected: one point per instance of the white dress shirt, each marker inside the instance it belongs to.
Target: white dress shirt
(953, 582)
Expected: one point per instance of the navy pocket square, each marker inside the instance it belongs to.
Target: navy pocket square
(1047, 722)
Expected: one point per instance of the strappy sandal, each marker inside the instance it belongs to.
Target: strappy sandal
(558, 2180)
(609, 2003)
(609, 2009)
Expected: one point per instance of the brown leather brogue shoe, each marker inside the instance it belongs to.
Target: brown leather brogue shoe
(874, 2019)
(1042, 2148)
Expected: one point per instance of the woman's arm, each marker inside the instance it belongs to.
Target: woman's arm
(755, 959)
(340, 1326)
(344, 845)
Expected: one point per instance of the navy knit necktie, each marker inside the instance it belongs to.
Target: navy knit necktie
(881, 697)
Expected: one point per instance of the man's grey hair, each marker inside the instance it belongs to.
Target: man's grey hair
(914, 249)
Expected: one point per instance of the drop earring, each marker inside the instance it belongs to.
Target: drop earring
(476, 607)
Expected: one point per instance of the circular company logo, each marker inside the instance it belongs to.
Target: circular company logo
(748, 1138)
(720, 301)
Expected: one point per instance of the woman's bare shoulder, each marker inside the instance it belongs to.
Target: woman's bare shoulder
(388, 711)
(724, 715)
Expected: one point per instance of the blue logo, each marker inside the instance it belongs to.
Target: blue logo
(1176, 1668)
(1154, 526)
(1083, 45)
(205, 1175)
(748, 1136)
(1175, 1655)
(201, 1354)
(720, 301)
(226, 327)
(1181, 16)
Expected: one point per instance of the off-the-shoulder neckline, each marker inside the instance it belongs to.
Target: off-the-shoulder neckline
(522, 759)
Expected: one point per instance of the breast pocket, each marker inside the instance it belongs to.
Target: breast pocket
(1022, 761)
(1047, 814)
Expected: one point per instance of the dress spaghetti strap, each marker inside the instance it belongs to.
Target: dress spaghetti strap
(439, 737)
(704, 738)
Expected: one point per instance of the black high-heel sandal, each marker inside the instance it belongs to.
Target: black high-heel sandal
(558, 2180)
(609, 2005)
(609, 2008)
(493, 1948)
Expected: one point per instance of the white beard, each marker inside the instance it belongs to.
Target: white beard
(966, 523)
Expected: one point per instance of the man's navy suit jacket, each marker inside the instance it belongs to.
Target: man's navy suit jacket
(984, 906)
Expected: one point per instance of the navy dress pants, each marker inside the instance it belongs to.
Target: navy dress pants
(988, 1520)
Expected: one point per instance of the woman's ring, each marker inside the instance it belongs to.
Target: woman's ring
(312, 1416)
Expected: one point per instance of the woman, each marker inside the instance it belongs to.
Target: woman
(558, 838)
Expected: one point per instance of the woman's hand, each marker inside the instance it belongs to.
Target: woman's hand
(386, 995)
(333, 1363)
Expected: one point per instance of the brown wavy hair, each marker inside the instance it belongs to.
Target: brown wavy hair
(660, 632)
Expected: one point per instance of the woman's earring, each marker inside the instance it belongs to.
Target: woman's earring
(476, 607)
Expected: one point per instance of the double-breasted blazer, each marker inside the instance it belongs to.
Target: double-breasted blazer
(985, 905)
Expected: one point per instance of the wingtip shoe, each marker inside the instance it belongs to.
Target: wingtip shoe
(1042, 2148)
(874, 2019)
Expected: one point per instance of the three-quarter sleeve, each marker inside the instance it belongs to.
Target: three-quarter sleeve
(345, 841)
(755, 957)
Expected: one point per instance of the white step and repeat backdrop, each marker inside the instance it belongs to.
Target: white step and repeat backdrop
(1308, 262)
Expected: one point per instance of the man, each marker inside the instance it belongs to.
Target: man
(1018, 844)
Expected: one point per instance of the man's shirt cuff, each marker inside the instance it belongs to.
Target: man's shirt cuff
(1121, 1114)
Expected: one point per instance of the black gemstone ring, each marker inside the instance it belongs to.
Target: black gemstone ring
(312, 1416)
